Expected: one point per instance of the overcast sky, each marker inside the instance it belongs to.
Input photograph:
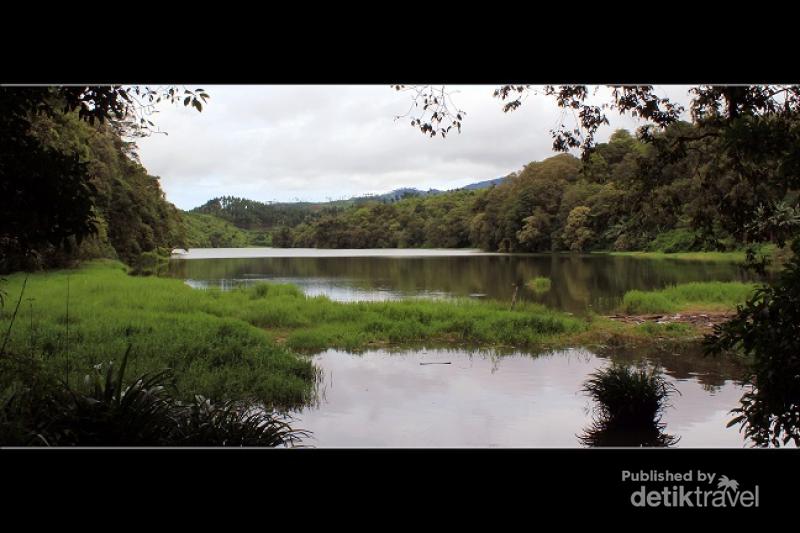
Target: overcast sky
(315, 143)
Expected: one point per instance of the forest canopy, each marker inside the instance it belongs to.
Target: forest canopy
(628, 194)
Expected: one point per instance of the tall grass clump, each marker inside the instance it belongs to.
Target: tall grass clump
(629, 403)
(539, 284)
(695, 296)
(108, 410)
(631, 396)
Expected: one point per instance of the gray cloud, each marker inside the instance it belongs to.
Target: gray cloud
(316, 142)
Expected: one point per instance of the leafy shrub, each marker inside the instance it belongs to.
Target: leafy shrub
(150, 263)
(36, 409)
(676, 240)
(767, 330)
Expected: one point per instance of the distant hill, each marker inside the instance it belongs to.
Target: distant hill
(397, 194)
(405, 192)
(485, 184)
(254, 215)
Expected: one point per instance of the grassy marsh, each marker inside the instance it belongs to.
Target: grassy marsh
(688, 297)
(247, 343)
(241, 343)
(773, 253)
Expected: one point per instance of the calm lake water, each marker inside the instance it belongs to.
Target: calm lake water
(578, 282)
(481, 399)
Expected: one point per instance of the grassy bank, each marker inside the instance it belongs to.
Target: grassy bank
(238, 343)
(776, 256)
(712, 296)
(245, 343)
(213, 352)
(725, 257)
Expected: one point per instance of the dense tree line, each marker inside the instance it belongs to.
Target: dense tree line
(70, 184)
(129, 214)
(250, 214)
(130, 211)
(626, 194)
(208, 231)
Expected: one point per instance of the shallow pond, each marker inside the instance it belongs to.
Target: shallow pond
(481, 399)
(578, 282)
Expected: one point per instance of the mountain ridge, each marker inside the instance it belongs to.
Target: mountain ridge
(393, 195)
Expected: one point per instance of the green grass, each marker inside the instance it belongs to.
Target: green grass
(248, 343)
(725, 257)
(212, 351)
(697, 296)
(539, 284)
(242, 343)
(358, 325)
(776, 255)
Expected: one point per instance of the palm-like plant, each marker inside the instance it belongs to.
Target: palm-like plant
(204, 423)
(105, 412)
(110, 414)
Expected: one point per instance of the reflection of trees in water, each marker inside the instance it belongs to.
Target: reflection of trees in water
(577, 280)
(683, 362)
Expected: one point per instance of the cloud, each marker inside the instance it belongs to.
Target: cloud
(307, 142)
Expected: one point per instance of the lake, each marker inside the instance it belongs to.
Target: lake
(481, 398)
(578, 281)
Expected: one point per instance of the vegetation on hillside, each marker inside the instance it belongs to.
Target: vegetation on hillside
(627, 195)
(72, 187)
(207, 231)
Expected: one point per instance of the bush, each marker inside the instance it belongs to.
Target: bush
(676, 240)
(150, 263)
(629, 396)
(767, 330)
(36, 409)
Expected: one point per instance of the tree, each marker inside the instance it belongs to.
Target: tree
(577, 232)
(747, 143)
(47, 197)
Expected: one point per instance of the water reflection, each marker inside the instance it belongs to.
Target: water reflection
(608, 433)
(487, 399)
(629, 403)
(579, 282)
